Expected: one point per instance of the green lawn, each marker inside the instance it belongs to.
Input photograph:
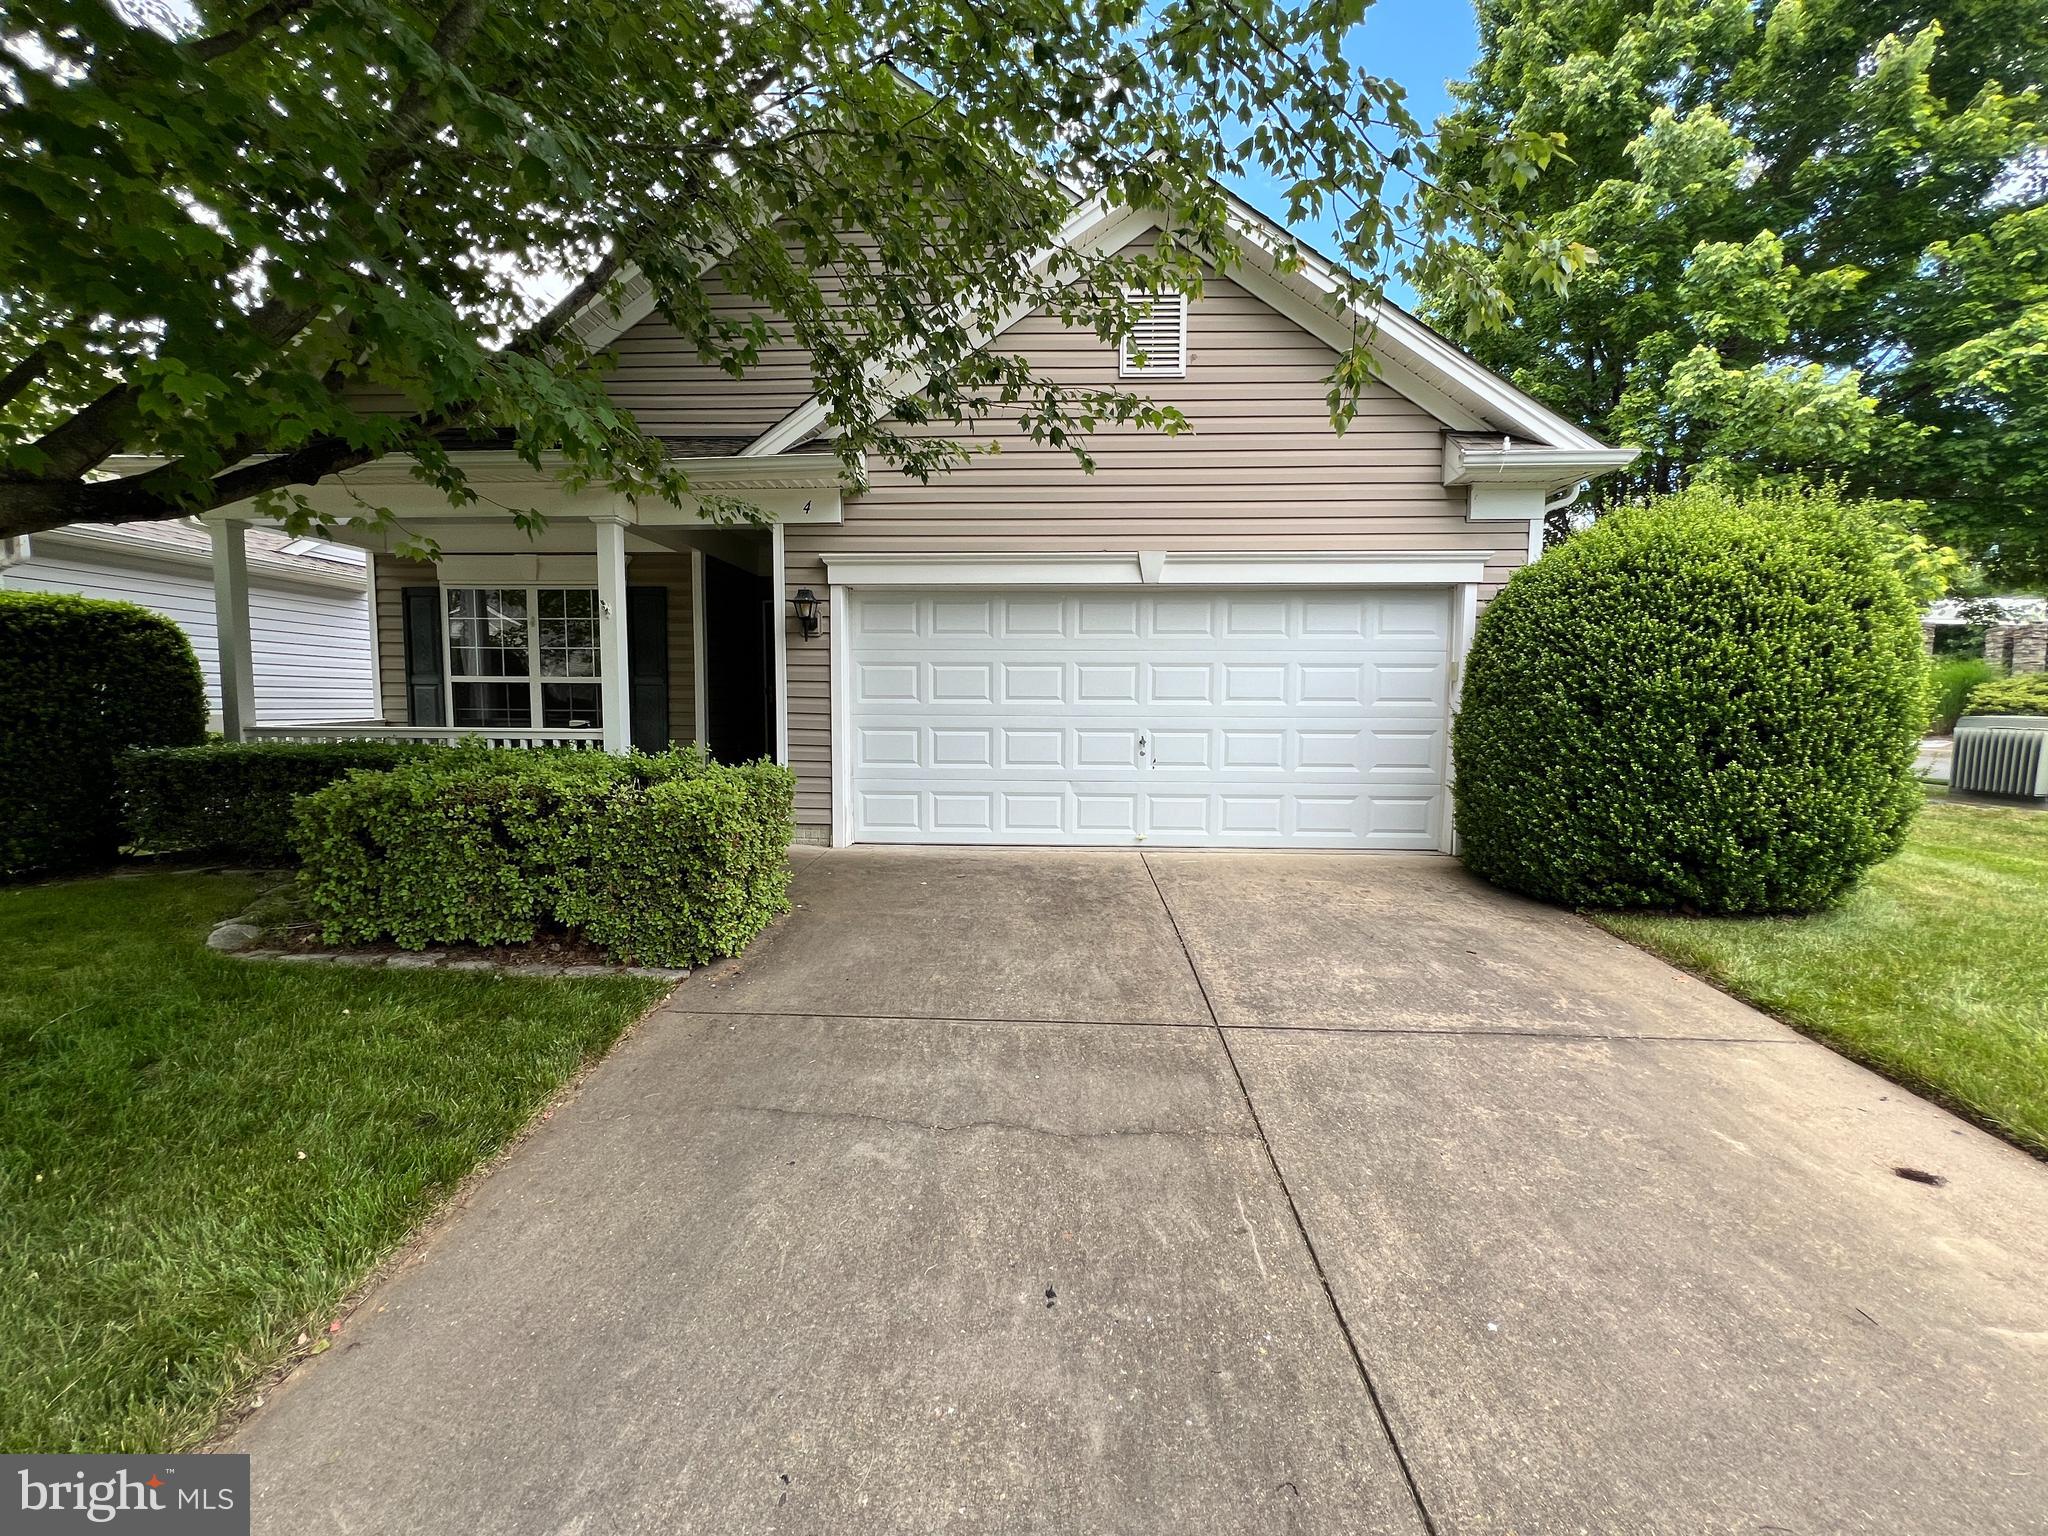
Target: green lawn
(200, 1156)
(1935, 971)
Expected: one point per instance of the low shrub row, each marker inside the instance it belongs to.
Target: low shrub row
(660, 860)
(2026, 693)
(81, 680)
(237, 799)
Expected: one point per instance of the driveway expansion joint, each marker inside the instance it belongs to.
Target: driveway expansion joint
(1294, 1210)
(1555, 1036)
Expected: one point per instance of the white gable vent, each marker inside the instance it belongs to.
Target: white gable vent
(1158, 343)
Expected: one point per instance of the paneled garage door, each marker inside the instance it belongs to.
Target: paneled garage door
(1241, 719)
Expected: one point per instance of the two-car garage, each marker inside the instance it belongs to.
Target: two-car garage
(1246, 717)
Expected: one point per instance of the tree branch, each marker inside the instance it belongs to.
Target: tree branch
(88, 438)
(245, 31)
(34, 505)
(26, 372)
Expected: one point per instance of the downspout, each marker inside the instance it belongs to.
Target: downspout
(1554, 503)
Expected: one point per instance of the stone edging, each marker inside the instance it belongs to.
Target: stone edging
(239, 939)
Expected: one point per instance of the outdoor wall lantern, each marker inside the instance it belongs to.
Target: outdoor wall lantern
(805, 604)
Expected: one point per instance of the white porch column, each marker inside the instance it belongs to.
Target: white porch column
(614, 683)
(778, 622)
(231, 627)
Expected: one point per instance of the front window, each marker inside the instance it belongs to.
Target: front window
(524, 656)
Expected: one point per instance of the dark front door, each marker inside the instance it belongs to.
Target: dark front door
(739, 663)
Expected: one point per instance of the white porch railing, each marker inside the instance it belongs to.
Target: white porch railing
(446, 735)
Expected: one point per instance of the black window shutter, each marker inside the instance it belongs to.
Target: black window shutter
(647, 666)
(426, 700)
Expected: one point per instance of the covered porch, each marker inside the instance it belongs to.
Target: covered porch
(617, 625)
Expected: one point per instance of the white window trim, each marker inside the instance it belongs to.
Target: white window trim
(534, 679)
(1126, 363)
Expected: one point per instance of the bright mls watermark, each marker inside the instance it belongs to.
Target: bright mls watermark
(161, 1495)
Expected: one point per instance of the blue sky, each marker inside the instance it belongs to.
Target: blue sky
(1419, 43)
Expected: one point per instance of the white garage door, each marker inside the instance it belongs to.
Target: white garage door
(1242, 719)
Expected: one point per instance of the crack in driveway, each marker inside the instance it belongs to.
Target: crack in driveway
(905, 1122)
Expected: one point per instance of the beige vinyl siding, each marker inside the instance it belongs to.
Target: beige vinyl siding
(1262, 469)
(393, 576)
(672, 393)
(642, 570)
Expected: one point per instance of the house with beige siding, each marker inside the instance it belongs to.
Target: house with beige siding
(1248, 635)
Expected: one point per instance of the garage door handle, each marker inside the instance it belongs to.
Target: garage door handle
(1141, 743)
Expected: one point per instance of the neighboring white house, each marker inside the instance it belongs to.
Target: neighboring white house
(309, 605)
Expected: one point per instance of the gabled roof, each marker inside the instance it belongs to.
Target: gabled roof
(1527, 442)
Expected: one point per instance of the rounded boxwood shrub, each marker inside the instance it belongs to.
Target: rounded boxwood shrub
(2025, 693)
(1709, 703)
(81, 681)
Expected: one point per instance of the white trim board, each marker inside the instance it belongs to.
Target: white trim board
(778, 588)
(839, 707)
(700, 693)
(1147, 568)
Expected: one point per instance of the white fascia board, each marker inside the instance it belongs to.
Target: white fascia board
(1142, 568)
(792, 488)
(1095, 229)
(1521, 464)
(610, 315)
(1402, 345)
(1504, 503)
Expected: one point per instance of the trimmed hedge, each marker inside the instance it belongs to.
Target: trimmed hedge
(237, 799)
(2025, 693)
(1708, 703)
(660, 860)
(80, 681)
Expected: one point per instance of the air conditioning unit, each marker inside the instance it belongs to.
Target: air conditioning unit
(2001, 755)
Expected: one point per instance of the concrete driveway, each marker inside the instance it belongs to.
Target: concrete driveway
(1099, 1192)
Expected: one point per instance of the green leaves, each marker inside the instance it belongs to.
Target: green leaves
(1817, 247)
(663, 860)
(330, 229)
(1710, 702)
(80, 681)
